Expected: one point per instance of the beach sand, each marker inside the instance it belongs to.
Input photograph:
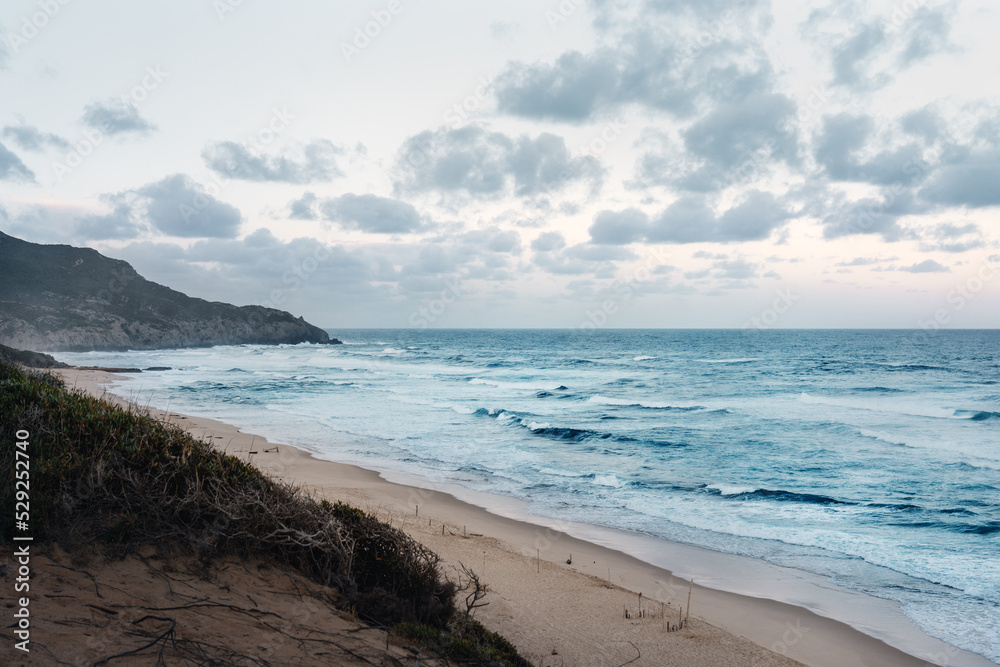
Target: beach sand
(561, 613)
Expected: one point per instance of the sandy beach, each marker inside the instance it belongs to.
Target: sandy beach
(562, 600)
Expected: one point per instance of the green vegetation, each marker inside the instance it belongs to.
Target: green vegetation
(30, 359)
(115, 478)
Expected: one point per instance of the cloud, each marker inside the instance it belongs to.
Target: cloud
(261, 269)
(730, 141)
(493, 240)
(176, 207)
(867, 50)
(370, 213)
(653, 65)
(116, 117)
(304, 208)
(845, 136)
(950, 237)
(926, 266)
(30, 138)
(548, 241)
(11, 167)
(736, 269)
(553, 255)
(852, 55)
(968, 178)
(120, 223)
(477, 162)
(691, 220)
(574, 88)
(865, 261)
(316, 161)
(871, 216)
(929, 33)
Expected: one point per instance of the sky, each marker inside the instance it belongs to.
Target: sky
(583, 163)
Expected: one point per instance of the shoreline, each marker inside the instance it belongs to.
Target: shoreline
(739, 600)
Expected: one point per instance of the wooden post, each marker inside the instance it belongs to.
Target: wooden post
(690, 586)
(538, 561)
(663, 616)
(680, 615)
(640, 605)
(417, 511)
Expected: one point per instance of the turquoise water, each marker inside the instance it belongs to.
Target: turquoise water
(869, 457)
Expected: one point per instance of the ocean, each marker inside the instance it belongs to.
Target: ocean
(871, 458)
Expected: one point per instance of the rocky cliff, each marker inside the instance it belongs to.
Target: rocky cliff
(61, 298)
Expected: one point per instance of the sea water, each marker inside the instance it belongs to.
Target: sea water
(868, 457)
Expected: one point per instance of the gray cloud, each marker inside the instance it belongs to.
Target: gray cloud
(871, 216)
(30, 138)
(736, 269)
(115, 117)
(120, 223)
(493, 240)
(969, 177)
(304, 208)
(861, 45)
(548, 241)
(648, 66)
(733, 140)
(12, 168)
(176, 207)
(691, 220)
(296, 275)
(317, 162)
(929, 33)
(949, 237)
(855, 52)
(865, 261)
(845, 136)
(370, 213)
(553, 255)
(477, 162)
(573, 88)
(926, 266)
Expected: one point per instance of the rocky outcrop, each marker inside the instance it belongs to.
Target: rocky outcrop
(30, 359)
(61, 298)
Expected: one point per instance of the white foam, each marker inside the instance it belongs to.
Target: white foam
(643, 358)
(531, 386)
(625, 402)
(609, 480)
(732, 489)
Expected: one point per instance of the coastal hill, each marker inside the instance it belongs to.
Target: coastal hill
(63, 298)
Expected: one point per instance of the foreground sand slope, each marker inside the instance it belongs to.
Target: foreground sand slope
(154, 607)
